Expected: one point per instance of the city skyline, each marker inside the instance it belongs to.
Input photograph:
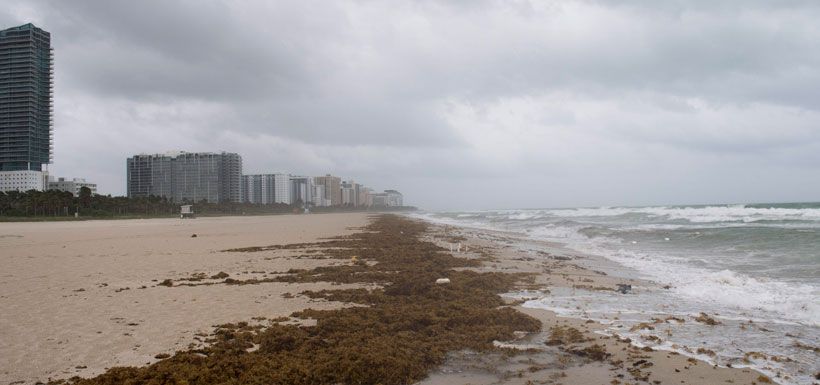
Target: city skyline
(182, 176)
(573, 103)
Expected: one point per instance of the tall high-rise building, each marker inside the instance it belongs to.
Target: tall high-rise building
(365, 196)
(350, 193)
(301, 189)
(318, 192)
(332, 189)
(26, 107)
(257, 189)
(267, 188)
(184, 176)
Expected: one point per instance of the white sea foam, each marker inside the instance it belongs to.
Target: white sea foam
(738, 294)
(700, 280)
(785, 300)
(730, 339)
(704, 214)
(522, 216)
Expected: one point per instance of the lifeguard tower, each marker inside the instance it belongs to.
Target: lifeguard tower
(186, 211)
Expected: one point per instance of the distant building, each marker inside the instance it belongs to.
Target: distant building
(394, 198)
(282, 187)
(257, 189)
(319, 199)
(332, 190)
(350, 193)
(301, 189)
(73, 186)
(186, 177)
(389, 198)
(22, 181)
(365, 196)
(26, 107)
(266, 188)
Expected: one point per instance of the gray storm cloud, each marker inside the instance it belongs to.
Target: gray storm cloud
(458, 104)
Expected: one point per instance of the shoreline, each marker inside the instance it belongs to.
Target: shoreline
(574, 273)
(226, 277)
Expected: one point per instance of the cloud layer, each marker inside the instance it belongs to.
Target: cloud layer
(481, 104)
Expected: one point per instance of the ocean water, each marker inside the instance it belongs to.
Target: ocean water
(755, 267)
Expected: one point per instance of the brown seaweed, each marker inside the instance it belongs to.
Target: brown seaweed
(407, 328)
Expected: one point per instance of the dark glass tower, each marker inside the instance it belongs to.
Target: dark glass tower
(26, 81)
(186, 176)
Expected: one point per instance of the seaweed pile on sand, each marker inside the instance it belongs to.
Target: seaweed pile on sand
(406, 328)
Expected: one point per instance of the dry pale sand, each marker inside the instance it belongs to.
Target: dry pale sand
(558, 267)
(71, 301)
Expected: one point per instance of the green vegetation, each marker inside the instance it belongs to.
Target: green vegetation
(61, 205)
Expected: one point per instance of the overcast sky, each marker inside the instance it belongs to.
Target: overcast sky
(458, 104)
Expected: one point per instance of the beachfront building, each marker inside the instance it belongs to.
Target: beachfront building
(332, 190)
(389, 198)
(71, 185)
(319, 199)
(301, 189)
(394, 198)
(282, 189)
(379, 199)
(26, 107)
(350, 193)
(366, 196)
(266, 188)
(186, 176)
(23, 180)
(257, 189)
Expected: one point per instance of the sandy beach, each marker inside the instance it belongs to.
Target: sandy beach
(81, 297)
(72, 299)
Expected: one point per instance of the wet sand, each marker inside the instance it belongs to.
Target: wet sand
(79, 297)
(565, 363)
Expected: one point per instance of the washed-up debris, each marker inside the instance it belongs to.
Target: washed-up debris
(704, 318)
(624, 288)
(401, 330)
